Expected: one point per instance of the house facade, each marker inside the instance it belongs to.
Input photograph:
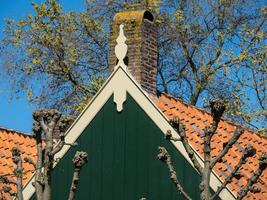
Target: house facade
(125, 123)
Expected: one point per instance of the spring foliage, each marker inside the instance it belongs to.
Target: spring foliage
(207, 49)
(55, 55)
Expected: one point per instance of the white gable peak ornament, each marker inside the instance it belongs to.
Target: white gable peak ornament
(120, 52)
(121, 49)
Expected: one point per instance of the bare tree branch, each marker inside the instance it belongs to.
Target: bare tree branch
(79, 160)
(217, 109)
(38, 183)
(248, 152)
(59, 146)
(255, 177)
(5, 180)
(9, 191)
(30, 161)
(165, 157)
(62, 126)
(16, 157)
(178, 126)
(169, 136)
(45, 123)
(49, 126)
(238, 132)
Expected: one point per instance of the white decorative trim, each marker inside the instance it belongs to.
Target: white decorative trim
(125, 82)
(119, 97)
(121, 49)
(78, 126)
(120, 52)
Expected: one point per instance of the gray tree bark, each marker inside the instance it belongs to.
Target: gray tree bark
(166, 158)
(79, 160)
(49, 126)
(16, 157)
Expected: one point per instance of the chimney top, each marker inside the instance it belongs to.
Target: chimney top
(137, 16)
(136, 6)
(141, 33)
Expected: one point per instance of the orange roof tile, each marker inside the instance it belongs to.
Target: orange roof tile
(8, 140)
(195, 120)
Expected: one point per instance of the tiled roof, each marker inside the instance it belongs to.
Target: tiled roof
(195, 120)
(26, 144)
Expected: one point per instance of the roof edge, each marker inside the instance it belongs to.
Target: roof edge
(16, 131)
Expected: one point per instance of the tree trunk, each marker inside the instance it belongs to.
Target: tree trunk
(75, 179)
(205, 179)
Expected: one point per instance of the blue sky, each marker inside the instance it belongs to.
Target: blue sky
(16, 113)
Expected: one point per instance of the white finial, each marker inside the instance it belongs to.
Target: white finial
(121, 48)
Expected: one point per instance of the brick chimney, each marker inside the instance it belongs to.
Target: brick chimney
(141, 33)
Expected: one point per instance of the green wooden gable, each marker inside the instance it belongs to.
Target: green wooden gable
(121, 130)
(123, 162)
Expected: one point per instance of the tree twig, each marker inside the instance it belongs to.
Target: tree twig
(254, 178)
(9, 191)
(248, 152)
(62, 126)
(178, 126)
(165, 157)
(30, 161)
(169, 136)
(237, 133)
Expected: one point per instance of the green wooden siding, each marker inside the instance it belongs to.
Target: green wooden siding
(123, 162)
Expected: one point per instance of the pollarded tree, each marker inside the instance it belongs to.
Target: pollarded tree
(217, 109)
(49, 131)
